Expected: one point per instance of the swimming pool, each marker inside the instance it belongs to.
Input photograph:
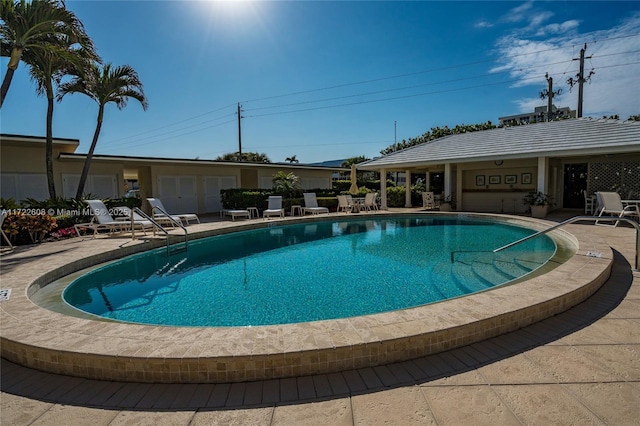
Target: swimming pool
(313, 271)
(41, 331)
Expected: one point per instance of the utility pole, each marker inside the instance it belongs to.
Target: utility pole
(580, 79)
(395, 125)
(549, 93)
(239, 133)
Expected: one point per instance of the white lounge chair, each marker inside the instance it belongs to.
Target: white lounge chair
(611, 204)
(101, 220)
(236, 213)
(157, 210)
(274, 207)
(311, 204)
(134, 220)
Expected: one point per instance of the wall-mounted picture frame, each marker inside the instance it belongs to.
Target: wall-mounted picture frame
(510, 179)
(526, 178)
(480, 180)
(495, 180)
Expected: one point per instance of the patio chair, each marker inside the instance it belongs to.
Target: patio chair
(590, 203)
(101, 220)
(343, 204)
(311, 204)
(274, 207)
(355, 205)
(370, 203)
(428, 201)
(157, 208)
(611, 204)
(4, 236)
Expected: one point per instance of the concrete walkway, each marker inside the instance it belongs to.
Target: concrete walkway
(581, 367)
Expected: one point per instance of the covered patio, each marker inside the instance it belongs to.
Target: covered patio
(492, 170)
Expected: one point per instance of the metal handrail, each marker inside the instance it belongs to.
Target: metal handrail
(172, 220)
(156, 225)
(577, 219)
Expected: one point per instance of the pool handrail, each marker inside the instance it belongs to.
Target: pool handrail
(161, 228)
(636, 267)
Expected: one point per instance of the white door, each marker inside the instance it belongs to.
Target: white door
(178, 193)
(96, 186)
(212, 187)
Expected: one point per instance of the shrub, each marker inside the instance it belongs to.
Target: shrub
(17, 225)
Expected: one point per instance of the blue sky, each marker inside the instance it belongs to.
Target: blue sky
(332, 80)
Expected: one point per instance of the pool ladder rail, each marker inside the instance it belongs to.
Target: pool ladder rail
(177, 246)
(636, 266)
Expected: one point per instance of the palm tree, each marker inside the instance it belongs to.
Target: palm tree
(103, 84)
(292, 159)
(47, 68)
(31, 27)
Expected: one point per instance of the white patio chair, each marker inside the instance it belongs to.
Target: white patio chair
(343, 204)
(311, 204)
(611, 204)
(428, 201)
(590, 203)
(274, 207)
(370, 202)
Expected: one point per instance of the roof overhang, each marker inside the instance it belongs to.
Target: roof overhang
(132, 160)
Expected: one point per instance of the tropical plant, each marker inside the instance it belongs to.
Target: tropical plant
(103, 84)
(292, 159)
(286, 184)
(249, 157)
(538, 198)
(35, 26)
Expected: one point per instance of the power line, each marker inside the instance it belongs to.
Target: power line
(423, 71)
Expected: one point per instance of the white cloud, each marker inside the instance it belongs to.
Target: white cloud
(613, 89)
(519, 13)
(483, 24)
(562, 28)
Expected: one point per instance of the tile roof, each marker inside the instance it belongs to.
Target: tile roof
(582, 136)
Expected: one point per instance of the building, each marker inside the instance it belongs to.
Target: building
(492, 170)
(538, 115)
(184, 185)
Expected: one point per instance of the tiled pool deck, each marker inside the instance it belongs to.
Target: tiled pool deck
(579, 367)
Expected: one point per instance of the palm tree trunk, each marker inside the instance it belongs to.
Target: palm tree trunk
(87, 161)
(49, 147)
(16, 54)
(5, 85)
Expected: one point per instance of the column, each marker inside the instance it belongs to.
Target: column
(407, 192)
(383, 189)
(542, 174)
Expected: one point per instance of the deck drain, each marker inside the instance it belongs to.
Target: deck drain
(5, 294)
(594, 254)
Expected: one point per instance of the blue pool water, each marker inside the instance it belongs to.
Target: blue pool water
(313, 271)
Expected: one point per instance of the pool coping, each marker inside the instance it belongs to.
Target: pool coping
(38, 338)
